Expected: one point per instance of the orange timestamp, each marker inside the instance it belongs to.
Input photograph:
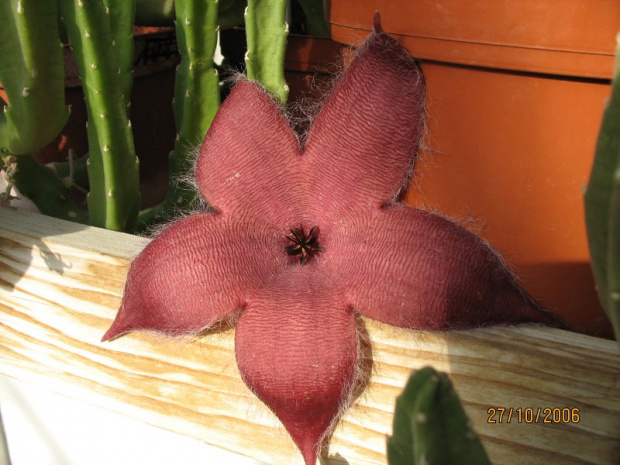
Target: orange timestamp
(533, 415)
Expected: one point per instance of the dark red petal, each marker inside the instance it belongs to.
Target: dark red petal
(194, 274)
(296, 348)
(248, 160)
(410, 268)
(363, 143)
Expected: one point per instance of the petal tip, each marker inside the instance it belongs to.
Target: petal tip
(114, 331)
(376, 23)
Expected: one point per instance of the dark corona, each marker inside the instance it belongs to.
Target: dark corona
(304, 245)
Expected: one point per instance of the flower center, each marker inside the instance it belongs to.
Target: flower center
(306, 246)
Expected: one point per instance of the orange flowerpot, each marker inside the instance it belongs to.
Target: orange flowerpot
(516, 92)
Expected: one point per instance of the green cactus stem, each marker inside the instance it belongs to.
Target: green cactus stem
(266, 32)
(602, 203)
(121, 17)
(32, 74)
(430, 425)
(101, 54)
(196, 98)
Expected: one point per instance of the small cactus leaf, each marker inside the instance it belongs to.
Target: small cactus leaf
(602, 205)
(430, 426)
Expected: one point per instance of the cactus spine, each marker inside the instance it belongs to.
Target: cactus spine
(430, 426)
(602, 202)
(266, 32)
(101, 52)
(32, 73)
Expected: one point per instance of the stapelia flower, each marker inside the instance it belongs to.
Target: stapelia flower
(305, 237)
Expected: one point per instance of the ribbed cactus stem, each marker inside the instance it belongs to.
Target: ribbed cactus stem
(121, 14)
(114, 198)
(430, 425)
(197, 91)
(266, 31)
(197, 94)
(602, 201)
(32, 74)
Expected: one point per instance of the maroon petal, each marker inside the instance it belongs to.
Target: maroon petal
(363, 143)
(248, 161)
(194, 274)
(296, 348)
(414, 269)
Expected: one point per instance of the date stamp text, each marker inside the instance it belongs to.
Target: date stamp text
(533, 415)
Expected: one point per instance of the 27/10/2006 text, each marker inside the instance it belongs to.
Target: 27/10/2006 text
(532, 415)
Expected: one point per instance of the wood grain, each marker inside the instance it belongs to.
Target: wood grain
(60, 287)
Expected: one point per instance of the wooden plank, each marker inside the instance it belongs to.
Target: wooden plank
(60, 286)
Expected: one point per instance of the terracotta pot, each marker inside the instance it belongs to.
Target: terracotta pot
(516, 92)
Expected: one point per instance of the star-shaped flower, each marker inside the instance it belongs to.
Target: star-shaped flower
(306, 236)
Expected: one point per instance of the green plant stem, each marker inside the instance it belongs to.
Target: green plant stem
(430, 425)
(266, 32)
(32, 74)
(114, 197)
(121, 16)
(602, 202)
(197, 94)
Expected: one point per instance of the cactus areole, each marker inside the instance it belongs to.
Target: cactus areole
(304, 237)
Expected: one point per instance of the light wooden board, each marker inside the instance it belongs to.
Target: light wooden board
(60, 287)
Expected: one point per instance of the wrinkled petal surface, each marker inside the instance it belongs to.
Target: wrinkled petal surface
(410, 268)
(365, 139)
(249, 160)
(196, 273)
(296, 348)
